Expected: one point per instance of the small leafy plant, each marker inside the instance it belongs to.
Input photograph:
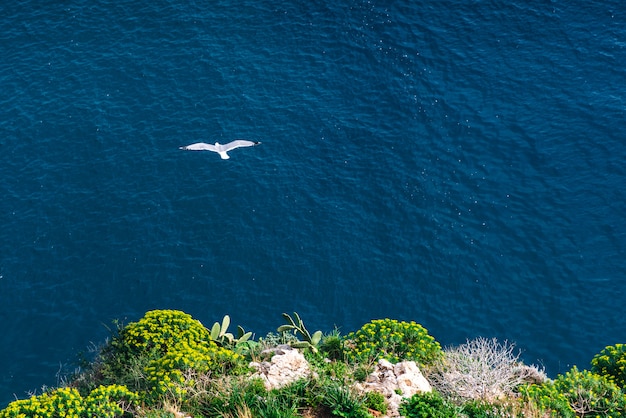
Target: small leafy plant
(332, 345)
(376, 402)
(344, 403)
(240, 343)
(296, 326)
(427, 405)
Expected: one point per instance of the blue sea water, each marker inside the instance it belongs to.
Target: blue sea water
(456, 163)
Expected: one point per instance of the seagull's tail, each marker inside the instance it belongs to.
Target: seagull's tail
(223, 155)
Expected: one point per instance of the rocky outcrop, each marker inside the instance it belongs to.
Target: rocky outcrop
(285, 365)
(395, 382)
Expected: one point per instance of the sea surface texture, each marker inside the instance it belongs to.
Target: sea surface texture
(457, 163)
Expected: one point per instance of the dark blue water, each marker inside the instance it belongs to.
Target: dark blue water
(460, 164)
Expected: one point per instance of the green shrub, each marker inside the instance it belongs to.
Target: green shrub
(109, 401)
(153, 354)
(227, 397)
(427, 405)
(332, 346)
(546, 398)
(125, 358)
(157, 414)
(483, 409)
(165, 373)
(102, 402)
(64, 401)
(591, 394)
(362, 371)
(284, 402)
(274, 339)
(161, 330)
(334, 370)
(392, 340)
(376, 401)
(577, 393)
(611, 362)
(344, 403)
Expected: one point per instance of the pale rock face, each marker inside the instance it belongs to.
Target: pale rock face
(286, 366)
(388, 379)
(410, 379)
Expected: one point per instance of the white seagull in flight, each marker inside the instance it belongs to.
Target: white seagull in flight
(221, 149)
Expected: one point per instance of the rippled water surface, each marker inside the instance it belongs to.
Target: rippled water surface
(460, 164)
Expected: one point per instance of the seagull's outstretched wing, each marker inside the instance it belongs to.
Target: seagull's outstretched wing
(219, 148)
(237, 143)
(200, 146)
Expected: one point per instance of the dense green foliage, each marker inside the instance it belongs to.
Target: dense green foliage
(611, 362)
(392, 340)
(428, 405)
(166, 372)
(578, 393)
(153, 354)
(103, 402)
(344, 403)
(483, 409)
(548, 399)
(332, 346)
(375, 401)
(161, 330)
(168, 362)
(590, 394)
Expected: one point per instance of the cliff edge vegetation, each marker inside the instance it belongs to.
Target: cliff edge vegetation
(169, 365)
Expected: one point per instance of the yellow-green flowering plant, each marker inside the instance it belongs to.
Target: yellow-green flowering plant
(163, 345)
(163, 329)
(166, 373)
(103, 402)
(578, 393)
(392, 340)
(139, 343)
(547, 399)
(109, 401)
(590, 394)
(63, 402)
(611, 362)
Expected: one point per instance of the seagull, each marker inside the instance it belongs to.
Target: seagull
(221, 149)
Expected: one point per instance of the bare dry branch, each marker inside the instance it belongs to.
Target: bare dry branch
(482, 369)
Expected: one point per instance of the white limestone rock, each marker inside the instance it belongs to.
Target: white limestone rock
(389, 379)
(285, 366)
